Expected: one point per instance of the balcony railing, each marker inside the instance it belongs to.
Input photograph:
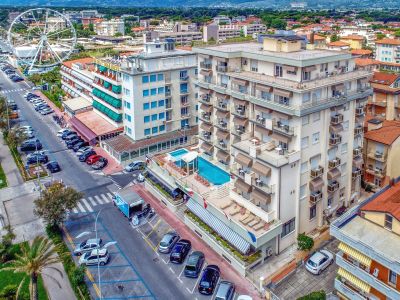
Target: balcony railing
(317, 172)
(336, 140)
(379, 156)
(282, 128)
(184, 78)
(337, 119)
(222, 68)
(205, 97)
(261, 185)
(205, 117)
(334, 163)
(333, 186)
(357, 151)
(221, 124)
(315, 197)
(259, 120)
(347, 291)
(222, 106)
(205, 135)
(205, 65)
(359, 111)
(242, 112)
(376, 171)
(167, 93)
(356, 173)
(358, 130)
(221, 144)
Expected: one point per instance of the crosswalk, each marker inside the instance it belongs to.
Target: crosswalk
(12, 91)
(89, 204)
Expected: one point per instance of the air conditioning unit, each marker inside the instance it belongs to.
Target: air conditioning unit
(376, 272)
(269, 252)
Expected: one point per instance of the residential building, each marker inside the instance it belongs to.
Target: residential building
(338, 46)
(221, 19)
(356, 41)
(381, 152)
(229, 31)
(363, 30)
(368, 256)
(361, 53)
(157, 100)
(110, 27)
(388, 50)
(92, 13)
(179, 37)
(277, 127)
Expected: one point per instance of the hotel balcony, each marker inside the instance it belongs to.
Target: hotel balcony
(184, 92)
(221, 69)
(355, 173)
(240, 132)
(222, 144)
(358, 130)
(205, 98)
(337, 119)
(113, 79)
(205, 135)
(381, 173)
(184, 79)
(348, 292)
(377, 103)
(379, 156)
(185, 103)
(334, 163)
(357, 151)
(284, 129)
(315, 197)
(317, 172)
(206, 65)
(266, 188)
(246, 174)
(335, 140)
(167, 93)
(185, 115)
(221, 124)
(359, 111)
(333, 186)
(222, 106)
(206, 117)
(240, 111)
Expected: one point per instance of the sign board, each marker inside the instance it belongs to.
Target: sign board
(122, 205)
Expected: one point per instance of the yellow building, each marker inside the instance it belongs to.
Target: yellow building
(355, 41)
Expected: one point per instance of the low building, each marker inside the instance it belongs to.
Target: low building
(338, 46)
(110, 27)
(361, 53)
(368, 256)
(180, 37)
(388, 50)
(356, 41)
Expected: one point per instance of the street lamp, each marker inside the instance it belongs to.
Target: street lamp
(97, 248)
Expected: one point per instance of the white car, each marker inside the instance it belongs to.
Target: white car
(244, 297)
(136, 165)
(91, 258)
(25, 128)
(140, 177)
(84, 149)
(319, 261)
(61, 132)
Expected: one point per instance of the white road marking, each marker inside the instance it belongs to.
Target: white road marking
(189, 290)
(165, 262)
(110, 195)
(92, 202)
(81, 207)
(99, 199)
(87, 204)
(75, 210)
(105, 198)
(171, 270)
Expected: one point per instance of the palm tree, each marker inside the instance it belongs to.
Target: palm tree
(34, 258)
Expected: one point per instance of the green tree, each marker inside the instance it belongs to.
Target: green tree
(15, 138)
(278, 24)
(335, 38)
(117, 34)
(33, 260)
(317, 295)
(3, 114)
(304, 242)
(91, 27)
(380, 36)
(54, 203)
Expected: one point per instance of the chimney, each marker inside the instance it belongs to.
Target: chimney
(374, 124)
(311, 41)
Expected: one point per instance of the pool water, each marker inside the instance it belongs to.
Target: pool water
(211, 172)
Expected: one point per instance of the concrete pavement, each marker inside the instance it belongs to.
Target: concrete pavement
(13, 175)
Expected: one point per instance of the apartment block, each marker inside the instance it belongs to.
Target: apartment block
(156, 101)
(229, 31)
(286, 123)
(368, 256)
(179, 37)
(388, 50)
(110, 27)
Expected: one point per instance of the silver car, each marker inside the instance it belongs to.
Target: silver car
(168, 242)
(92, 258)
(319, 261)
(87, 246)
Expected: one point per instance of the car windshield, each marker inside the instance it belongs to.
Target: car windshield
(190, 268)
(312, 263)
(166, 241)
(86, 255)
(82, 244)
(205, 284)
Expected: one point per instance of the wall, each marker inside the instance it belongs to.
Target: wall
(393, 170)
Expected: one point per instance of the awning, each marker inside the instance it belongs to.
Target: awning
(205, 72)
(354, 280)
(222, 134)
(263, 88)
(239, 81)
(316, 184)
(334, 173)
(282, 138)
(206, 127)
(358, 162)
(262, 109)
(261, 169)
(281, 115)
(262, 130)
(206, 108)
(338, 87)
(84, 131)
(260, 196)
(222, 96)
(283, 93)
(220, 227)
(222, 155)
(290, 68)
(336, 128)
(222, 114)
(357, 255)
(309, 68)
(206, 147)
(243, 160)
(243, 186)
(240, 121)
(239, 102)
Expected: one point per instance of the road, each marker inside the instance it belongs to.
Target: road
(79, 176)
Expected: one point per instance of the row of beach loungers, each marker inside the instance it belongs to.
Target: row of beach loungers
(246, 218)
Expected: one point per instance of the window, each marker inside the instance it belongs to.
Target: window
(154, 130)
(392, 277)
(288, 227)
(127, 92)
(145, 93)
(304, 142)
(183, 87)
(160, 77)
(129, 130)
(344, 148)
(162, 128)
(278, 71)
(146, 119)
(127, 105)
(153, 104)
(313, 212)
(388, 221)
(306, 97)
(343, 168)
(147, 131)
(153, 78)
(316, 116)
(161, 103)
(346, 125)
(146, 106)
(161, 116)
(161, 90)
(330, 200)
(128, 117)
(303, 189)
(304, 167)
(154, 117)
(145, 79)
(315, 138)
(183, 74)
(153, 92)
(305, 120)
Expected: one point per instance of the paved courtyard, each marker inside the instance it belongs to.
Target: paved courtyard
(301, 282)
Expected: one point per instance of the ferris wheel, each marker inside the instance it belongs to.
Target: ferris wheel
(41, 38)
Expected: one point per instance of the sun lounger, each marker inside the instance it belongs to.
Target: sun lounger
(235, 211)
(225, 205)
(258, 226)
(244, 217)
(248, 220)
(254, 222)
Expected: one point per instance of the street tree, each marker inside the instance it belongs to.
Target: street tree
(34, 258)
(54, 203)
(3, 114)
(15, 138)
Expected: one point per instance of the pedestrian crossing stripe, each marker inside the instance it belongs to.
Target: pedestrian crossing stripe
(87, 204)
(12, 91)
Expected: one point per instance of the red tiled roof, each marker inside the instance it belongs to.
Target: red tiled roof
(384, 78)
(361, 52)
(388, 41)
(385, 135)
(84, 61)
(362, 62)
(353, 37)
(387, 202)
(338, 44)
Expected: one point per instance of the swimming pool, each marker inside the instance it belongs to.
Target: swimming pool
(211, 172)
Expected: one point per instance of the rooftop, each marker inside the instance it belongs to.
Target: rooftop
(363, 62)
(77, 103)
(353, 37)
(83, 61)
(96, 123)
(338, 44)
(361, 52)
(384, 78)
(385, 135)
(388, 41)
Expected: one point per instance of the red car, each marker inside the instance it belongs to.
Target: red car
(92, 159)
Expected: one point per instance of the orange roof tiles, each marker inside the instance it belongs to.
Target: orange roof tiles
(84, 61)
(388, 41)
(361, 52)
(338, 44)
(384, 78)
(385, 135)
(363, 62)
(387, 202)
(353, 37)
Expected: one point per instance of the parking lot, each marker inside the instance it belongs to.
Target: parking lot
(301, 282)
(119, 279)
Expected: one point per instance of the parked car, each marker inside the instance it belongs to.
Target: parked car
(46, 111)
(341, 210)
(225, 291)
(31, 145)
(62, 131)
(80, 145)
(41, 106)
(168, 242)
(84, 156)
(136, 165)
(319, 261)
(70, 144)
(209, 280)
(92, 159)
(244, 297)
(68, 133)
(84, 149)
(53, 167)
(100, 164)
(194, 264)
(91, 258)
(140, 177)
(31, 160)
(87, 246)
(70, 136)
(180, 251)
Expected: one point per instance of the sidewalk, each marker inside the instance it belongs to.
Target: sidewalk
(54, 291)
(13, 175)
(243, 286)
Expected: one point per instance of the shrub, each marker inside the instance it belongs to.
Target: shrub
(317, 295)
(304, 242)
(9, 291)
(78, 275)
